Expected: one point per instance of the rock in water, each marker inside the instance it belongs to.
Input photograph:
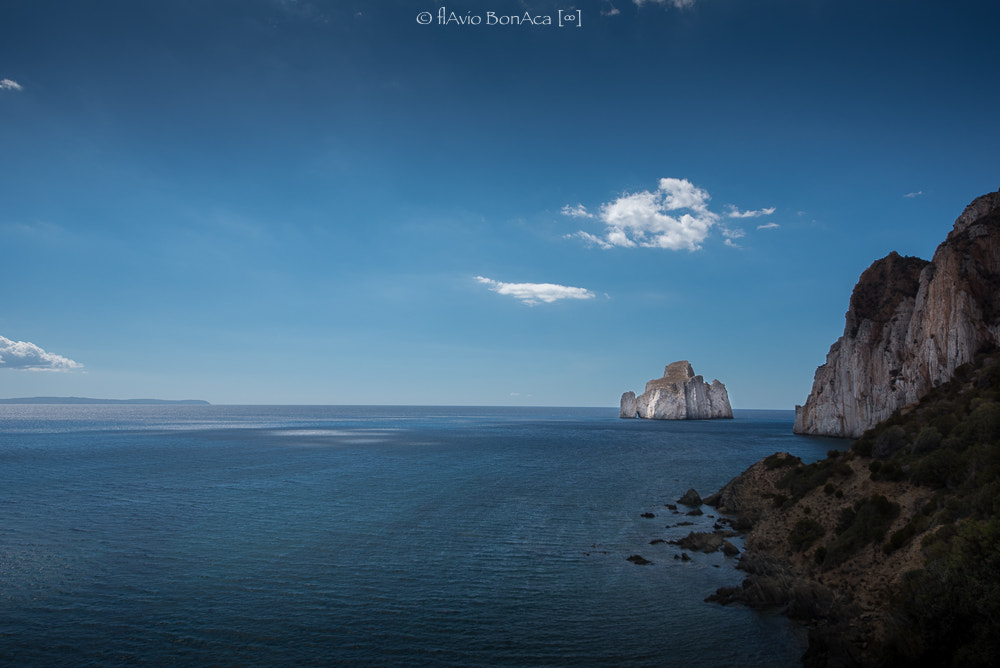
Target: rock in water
(627, 409)
(678, 395)
(690, 498)
(910, 324)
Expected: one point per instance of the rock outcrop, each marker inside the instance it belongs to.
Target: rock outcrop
(678, 395)
(909, 325)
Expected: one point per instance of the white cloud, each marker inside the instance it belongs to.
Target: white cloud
(679, 4)
(736, 213)
(675, 216)
(613, 11)
(731, 234)
(9, 84)
(578, 211)
(24, 355)
(535, 293)
(914, 194)
(768, 226)
(590, 239)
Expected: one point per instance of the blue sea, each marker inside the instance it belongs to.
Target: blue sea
(371, 536)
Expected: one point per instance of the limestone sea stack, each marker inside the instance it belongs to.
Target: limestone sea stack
(678, 395)
(909, 325)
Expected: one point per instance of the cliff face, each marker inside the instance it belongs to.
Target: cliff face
(678, 395)
(910, 324)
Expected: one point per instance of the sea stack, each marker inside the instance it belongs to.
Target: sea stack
(678, 395)
(909, 325)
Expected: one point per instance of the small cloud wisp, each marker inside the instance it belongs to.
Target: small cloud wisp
(536, 293)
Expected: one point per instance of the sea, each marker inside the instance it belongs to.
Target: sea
(373, 536)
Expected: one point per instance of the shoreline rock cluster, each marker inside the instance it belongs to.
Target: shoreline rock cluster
(793, 517)
(678, 395)
(706, 542)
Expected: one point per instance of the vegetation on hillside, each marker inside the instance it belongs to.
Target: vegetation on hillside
(948, 612)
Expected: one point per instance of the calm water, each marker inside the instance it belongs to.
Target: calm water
(367, 536)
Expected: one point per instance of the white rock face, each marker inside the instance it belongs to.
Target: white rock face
(678, 395)
(910, 324)
(627, 409)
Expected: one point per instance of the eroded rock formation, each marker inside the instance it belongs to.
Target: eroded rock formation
(678, 395)
(910, 324)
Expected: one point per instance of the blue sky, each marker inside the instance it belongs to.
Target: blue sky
(280, 201)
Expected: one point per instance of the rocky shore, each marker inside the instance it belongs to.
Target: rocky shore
(790, 532)
(886, 550)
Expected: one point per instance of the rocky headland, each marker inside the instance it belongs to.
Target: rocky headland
(887, 549)
(678, 395)
(909, 325)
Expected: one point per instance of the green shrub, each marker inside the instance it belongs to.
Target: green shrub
(778, 500)
(802, 480)
(778, 460)
(940, 468)
(928, 439)
(947, 613)
(984, 422)
(945, 423)
(889, 442)
(805, 532)
(903, 536)
(859, 526)
(863, 446)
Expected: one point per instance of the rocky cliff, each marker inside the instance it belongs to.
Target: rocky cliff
(678, 395)
(909, 325)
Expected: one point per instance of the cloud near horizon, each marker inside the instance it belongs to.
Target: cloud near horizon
(675, 216)
(536, 293)
(10, 84)
(28, 356)
(768, 226)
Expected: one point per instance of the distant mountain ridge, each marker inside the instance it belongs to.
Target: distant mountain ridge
(85, 400)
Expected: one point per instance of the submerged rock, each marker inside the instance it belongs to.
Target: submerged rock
(690, 498)
(678, 395)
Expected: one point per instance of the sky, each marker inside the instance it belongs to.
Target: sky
(466, 203)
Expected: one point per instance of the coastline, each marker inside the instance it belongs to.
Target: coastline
(885, 551)
(844, 607)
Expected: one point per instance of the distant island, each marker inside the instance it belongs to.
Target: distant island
(85, 400)
(678, 395)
